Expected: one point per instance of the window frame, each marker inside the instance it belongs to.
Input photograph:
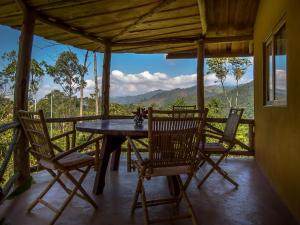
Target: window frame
(270, 41)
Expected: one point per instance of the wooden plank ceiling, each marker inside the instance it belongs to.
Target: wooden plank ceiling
(142, 26)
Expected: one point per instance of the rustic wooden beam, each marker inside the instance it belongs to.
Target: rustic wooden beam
(143, 18)
(202, 13)
(60, 24)
(21, 157)
(200, 75)
(193, 54)
(106, 81)
(183, 40)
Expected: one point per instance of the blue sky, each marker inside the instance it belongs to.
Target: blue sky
(131, 73)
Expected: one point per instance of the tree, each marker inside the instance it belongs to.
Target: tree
(8, 73)
(219, 66)
(238, 70)
(83, 70)
(66, 72)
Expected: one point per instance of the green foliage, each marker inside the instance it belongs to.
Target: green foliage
(239, 66)
(219, 67)
(8, 73)
(66, 72)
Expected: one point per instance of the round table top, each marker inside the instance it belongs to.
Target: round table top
(116, 127)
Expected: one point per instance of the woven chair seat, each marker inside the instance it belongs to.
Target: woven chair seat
(214, 148)
(168, 171)
(73, 160)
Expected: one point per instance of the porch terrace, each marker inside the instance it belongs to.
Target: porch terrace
(217, 202)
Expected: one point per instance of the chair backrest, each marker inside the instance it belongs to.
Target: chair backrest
(36, 131)
(174, 141)
(232, 124)
(181, 111)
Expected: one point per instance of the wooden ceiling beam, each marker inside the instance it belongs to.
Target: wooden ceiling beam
(143, 18)
(193, 54)
(59, 24)
(202, 13)
(186, 40)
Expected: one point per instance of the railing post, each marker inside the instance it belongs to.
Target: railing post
(251, 136)
(74, 134)
(21, 157)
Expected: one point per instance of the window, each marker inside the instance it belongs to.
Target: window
(275, 68)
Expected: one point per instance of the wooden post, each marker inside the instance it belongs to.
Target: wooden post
(251, 135)
(21, 157)
(96, 84)
(200, 75)
(106, 81)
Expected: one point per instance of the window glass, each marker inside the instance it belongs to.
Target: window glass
(280, 66)
(269, 73)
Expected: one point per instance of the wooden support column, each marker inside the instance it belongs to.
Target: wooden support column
(21, 157)
(200, 75)
(106, 81)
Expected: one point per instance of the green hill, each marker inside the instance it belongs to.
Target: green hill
(163, 99)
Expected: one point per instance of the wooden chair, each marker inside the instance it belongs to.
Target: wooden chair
(222, 147)
(62, 162)
(173, 151)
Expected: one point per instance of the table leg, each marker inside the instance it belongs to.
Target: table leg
(174, 188)
(109, 144)
(114, 164)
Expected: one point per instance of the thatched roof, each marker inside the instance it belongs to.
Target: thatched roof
(142, 26)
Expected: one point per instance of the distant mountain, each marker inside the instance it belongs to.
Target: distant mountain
(163, 98)
(136, 98)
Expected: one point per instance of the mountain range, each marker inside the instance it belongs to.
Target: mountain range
(163, 98)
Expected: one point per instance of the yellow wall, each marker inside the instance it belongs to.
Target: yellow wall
(278, 129)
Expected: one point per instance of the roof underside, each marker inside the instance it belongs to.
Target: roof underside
(141, 26)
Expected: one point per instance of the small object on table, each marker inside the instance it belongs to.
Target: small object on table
(140, 115)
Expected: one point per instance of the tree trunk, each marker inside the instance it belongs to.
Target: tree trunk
(96, 84)
(83, 72)
(225, 94)
(237, 93)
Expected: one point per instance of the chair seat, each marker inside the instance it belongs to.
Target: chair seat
(169, 171)
(73, 160)
(214, 148)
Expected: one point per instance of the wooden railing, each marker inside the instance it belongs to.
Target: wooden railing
(4, 189)
(247, 149)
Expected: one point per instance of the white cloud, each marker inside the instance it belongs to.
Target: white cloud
(122, 84)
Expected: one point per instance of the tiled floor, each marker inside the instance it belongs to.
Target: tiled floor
(216, 203)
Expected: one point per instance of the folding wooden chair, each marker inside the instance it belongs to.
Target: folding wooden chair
(173, 151)
(42, 148)
(226, 142)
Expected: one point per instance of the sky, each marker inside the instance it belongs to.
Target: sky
(131, 74)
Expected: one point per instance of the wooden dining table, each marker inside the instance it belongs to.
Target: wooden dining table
(114, 133)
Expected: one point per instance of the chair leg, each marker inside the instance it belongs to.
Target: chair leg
(184, 195)
(185, 185)
(136, 195)
(215, 166)
(128, 157)
(81, 189)
(67, 201)
(144, 204)
(36, 201)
